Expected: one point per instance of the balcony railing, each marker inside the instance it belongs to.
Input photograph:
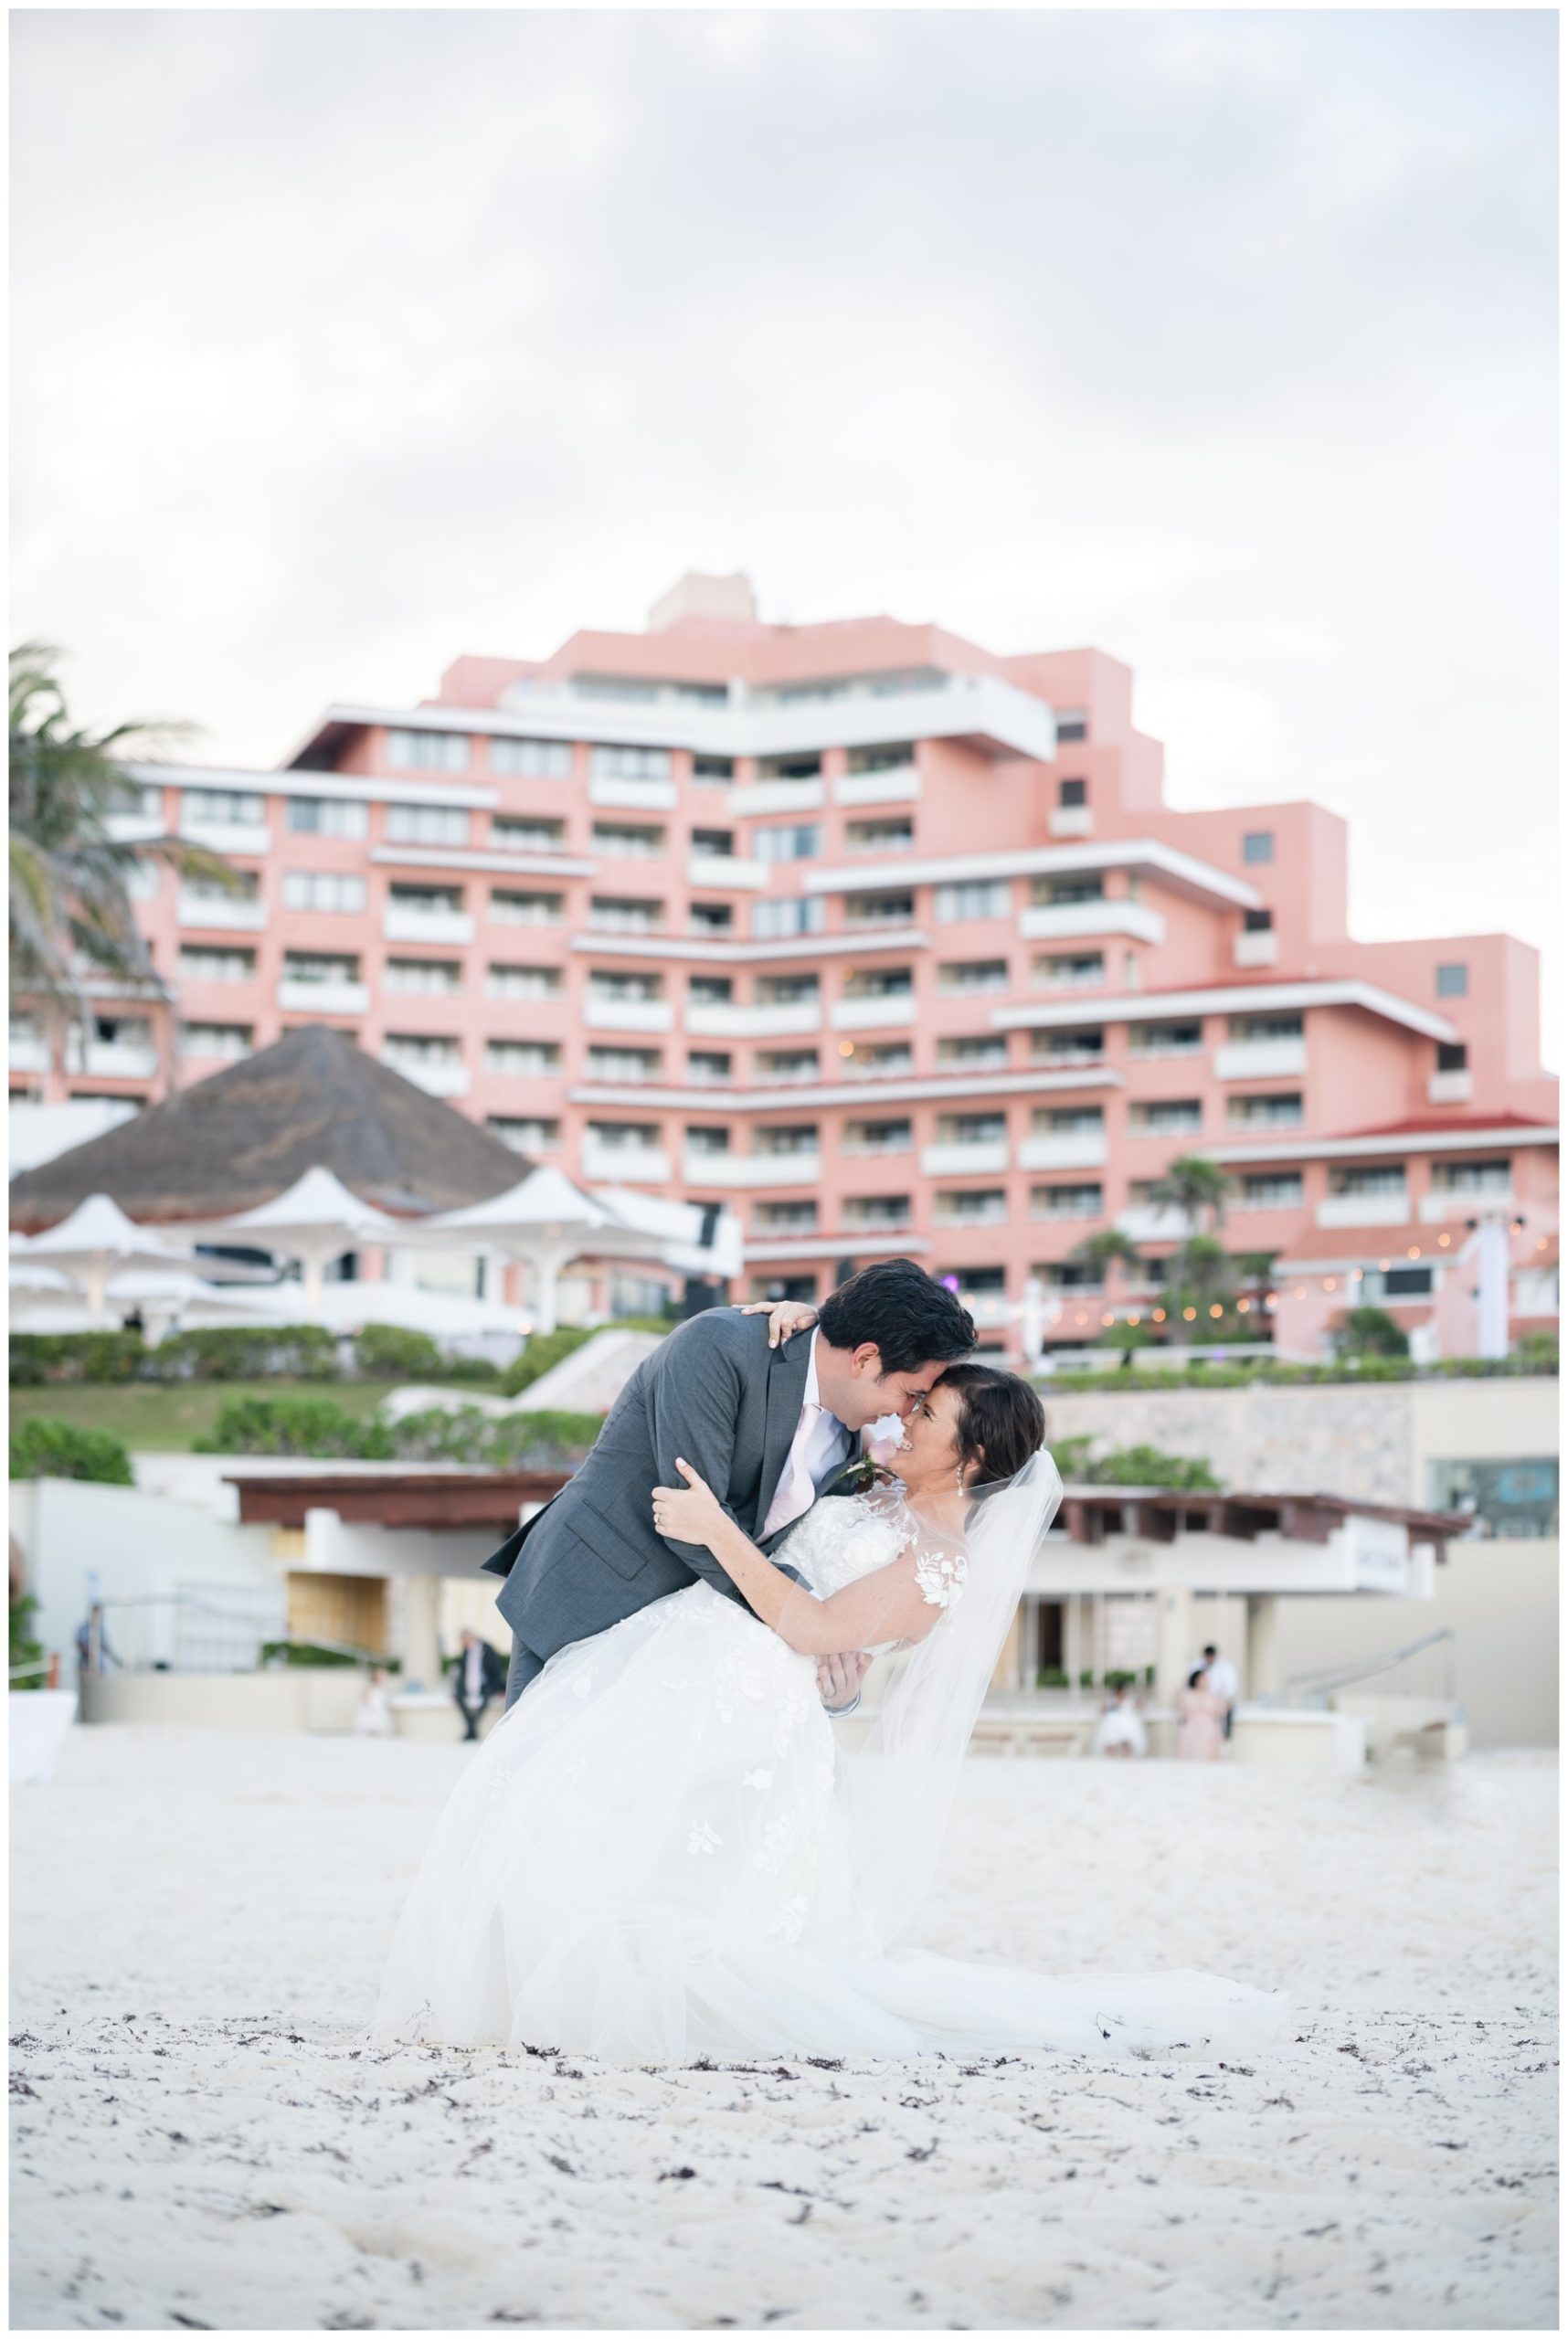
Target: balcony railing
(1445, 1204)
(781, 796)
(628, 1014)
(633, 795)
(730, 1171)
(1261, 949)
(1083, 1150)
(1260, 1058)
(1067, 921)
(1070, 820)
(625, 1165)
(1154, 1222)
(226, 913)
(726, 871)
(960, 1160)
(899, 784)
(726, 1020)
(1364, 1210)
(436, 1076)
(300, 995)
(400, 922)
(1449, 1088)
(873, 1011)
(247, 837)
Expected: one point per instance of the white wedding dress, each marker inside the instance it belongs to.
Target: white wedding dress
(652, 1858)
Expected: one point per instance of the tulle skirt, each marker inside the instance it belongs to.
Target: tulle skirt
(650, 1859)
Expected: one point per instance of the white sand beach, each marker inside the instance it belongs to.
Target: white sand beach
(200, 2142)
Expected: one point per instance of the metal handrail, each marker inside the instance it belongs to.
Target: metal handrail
(1322, 1683)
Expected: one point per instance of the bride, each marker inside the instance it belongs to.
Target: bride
(660, 1853)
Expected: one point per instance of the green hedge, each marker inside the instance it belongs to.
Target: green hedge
(230, 1352)
(318, 1427)
(314, 1425)
(1132, 1466)
(1286, 1376)
(48, 1448)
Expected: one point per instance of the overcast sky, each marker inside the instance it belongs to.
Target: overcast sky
(344, 342)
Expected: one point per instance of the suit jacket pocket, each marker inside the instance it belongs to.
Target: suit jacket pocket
(609, 1539)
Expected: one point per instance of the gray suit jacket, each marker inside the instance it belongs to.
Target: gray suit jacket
(713, 1391)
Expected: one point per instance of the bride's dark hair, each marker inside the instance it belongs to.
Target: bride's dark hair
(1000, 1422)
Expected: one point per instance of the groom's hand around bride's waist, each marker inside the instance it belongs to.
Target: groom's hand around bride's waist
(839, 1679)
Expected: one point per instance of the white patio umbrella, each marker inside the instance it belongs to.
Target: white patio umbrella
(546, 1221)
(314, 1220)
(94, 1242)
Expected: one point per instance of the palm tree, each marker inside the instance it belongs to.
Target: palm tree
(1200, 1271)
(1200, 1278)
(1196, 1187)
(72, 916)
(1108, 1247)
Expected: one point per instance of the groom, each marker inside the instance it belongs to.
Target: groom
(768, 1428)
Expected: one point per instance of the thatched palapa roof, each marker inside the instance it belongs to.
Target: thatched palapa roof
(237, 1138)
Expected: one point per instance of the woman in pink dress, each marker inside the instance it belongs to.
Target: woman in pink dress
(1201, 1737)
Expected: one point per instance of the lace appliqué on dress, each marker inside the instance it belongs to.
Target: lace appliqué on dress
(940, 1576)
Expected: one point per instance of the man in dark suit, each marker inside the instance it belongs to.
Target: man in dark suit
(768, 1428)
(480, 1675)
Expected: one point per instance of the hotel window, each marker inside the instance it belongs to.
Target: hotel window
(796, 766)
(523, 1059)
(1081, 1274)
(1071, 722)
(199, 965)
(1067, 892)
(1280, 1112)
(1369, 1179)
(977, 1206)
(1272, 1190)
(962, 975)
(713, 771)
(424, 978)
(880, 982)
(426, 824)
(784, 1218)
(958, 905)
(783, 1066)
(1066, 1049)
(531, 758)
(878, 909)
(1454, 981)
(525, 909)
(876, 1210)
(1257, 847)
(527, 836)
(1515, 1498)
(143, 881)
(879, 836)
(327, 815)
(883, 1062)
(778, 921)
(612, 914)
(1085, 1200)
(713, 844)
(1068, 1121)
(891, 755)
(1258, 921)
(788, 991)
(525, 1136)
(225, 807)
(877, 1137)
(792, 1136)
(1478, 1178)
(420, 1051)
(323, 889)
(800, 840)
(710, 1067)
(1071, 971)
(1267, 1027)
(516, 981)
(1171, 1116)
(242, 885)
(972, 1129)
(710, 990)
(1071, 795)
(707, 1141)
(605, 984)
(426, 901)
(1453, 1056)
(427, 751)
(631, 763)
(710, 917)
(776, 1287)
(628, 840)
(1184, 1039)
(624, 1136)
(634, 1064)
(986, 1052)
(318, 966)
(228, 1040)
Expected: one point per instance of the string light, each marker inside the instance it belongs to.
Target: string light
(1516, 1226)
(1188, 1315)
(1300, 1291)
(1541, 1242)
(1328, 1284)
(1271, 1300)
(1413, 1252)
(1356, 1273)
(846, 1047)
(1080, 1317)
(1108, 1318)
(1158, 1316)
(1243, 1306)
(1216, 1310)
(1383, 1266)
(1444, 1240)
(1135, 1318)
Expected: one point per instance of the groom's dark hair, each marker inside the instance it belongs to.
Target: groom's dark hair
(912, 1319)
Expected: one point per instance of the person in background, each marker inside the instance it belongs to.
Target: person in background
(1224, 1681)
(481, 1675)
(93, 1654)
(373, 1717)
(1200, 1713)
(1119, 1730)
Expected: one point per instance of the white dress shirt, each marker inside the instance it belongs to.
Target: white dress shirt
(1224, 1680)
(819, 1450)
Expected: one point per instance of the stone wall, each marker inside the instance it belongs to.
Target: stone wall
(1306, 1440)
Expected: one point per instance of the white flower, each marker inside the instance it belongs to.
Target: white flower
(941, 1577)
(703, 1838)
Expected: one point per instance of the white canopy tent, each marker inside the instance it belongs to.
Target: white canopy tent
(315, 1221)
(545, 1221)
(96, 1242)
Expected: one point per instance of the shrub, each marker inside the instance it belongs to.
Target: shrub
(24, 1649)
(246, 1352)
(1537, 1352)
(544, 1350)
(1370, 1331)
(389, 1352)
(48, 1448)
(467, 1368)
(313, 1426)
(1051, 1676)
(38, 1359)
(543, 1441)
(1131, 1465)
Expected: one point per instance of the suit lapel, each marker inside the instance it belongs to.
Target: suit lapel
(787, 1370)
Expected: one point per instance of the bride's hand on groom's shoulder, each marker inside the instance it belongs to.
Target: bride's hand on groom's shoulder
(689, 1513)
(785, 1317)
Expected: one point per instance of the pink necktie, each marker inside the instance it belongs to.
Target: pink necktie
(797, 1489)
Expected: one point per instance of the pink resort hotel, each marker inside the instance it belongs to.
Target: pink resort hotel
(889, 944)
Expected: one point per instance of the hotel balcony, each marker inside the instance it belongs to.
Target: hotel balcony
(784, 796)
(401, 924)
(136, 827)
(1260, 1058)
(1444, 1205)
(1084, 1150)
(247, 837)
(1449, 1088)
(1256, 949)
(28, 1052)
(305, 998)
(899, 784)
(879, 1011)
(724, 872)
(437, 1079)
(1364, 1210)
(730, 1170)
(731, 1021)
(964, 1160)
(628, 1014)
(1152, 1222)
(625, 1165)
(1071, 820)
(1070, 921)
(228, 913)
(633, 795)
